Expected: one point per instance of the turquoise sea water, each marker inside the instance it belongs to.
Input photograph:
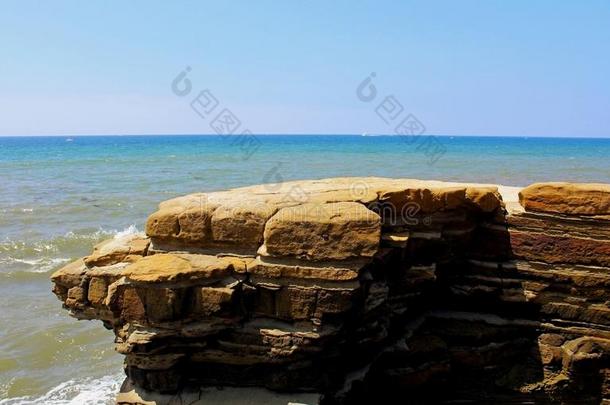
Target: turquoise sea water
(61, 195)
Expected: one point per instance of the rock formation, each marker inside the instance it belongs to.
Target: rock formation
(361, 289)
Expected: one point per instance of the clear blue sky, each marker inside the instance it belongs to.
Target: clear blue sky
(461, 67)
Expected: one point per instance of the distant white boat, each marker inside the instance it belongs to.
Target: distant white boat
(69, 139)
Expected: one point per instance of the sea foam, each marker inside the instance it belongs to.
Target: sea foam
(86, 391)
(42, 256)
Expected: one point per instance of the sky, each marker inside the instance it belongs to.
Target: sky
(518, 68)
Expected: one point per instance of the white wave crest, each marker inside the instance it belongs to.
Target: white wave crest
(87, 391)
(41, 265)
(101, 232)
(131, 230)
(42, 256)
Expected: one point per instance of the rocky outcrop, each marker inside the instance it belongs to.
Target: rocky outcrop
(360, 289)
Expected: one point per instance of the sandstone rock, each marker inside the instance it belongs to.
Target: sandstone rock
(184, 202)
(241, 223)
(190, 225)
(131, 304)
(272, 268)
(488, 199)
(127, 248)
(296, 303)
(469, 297)
(560, 249)
(333, 231)
(163, 304)
(333, 301)
(426, 199)
(70, 275)
(97, 291)
(567, 198)
(173, 268)
(212, 300)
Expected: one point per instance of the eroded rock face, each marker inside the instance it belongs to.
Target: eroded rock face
(360, 289)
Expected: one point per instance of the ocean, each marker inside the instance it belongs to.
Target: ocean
(61, 195)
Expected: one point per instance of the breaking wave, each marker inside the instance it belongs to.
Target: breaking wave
(42, 256)
(86, 391)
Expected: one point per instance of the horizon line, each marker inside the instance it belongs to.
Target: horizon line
(310, 134)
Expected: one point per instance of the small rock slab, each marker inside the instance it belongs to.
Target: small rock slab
(162, 268)
(567, 198)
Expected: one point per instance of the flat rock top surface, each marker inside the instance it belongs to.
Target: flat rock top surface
(328, 218)
(361, 189)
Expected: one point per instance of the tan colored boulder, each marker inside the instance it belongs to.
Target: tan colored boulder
(163, 224)
(161, 268)
(112, 251)
(241, 223)
(567, 198)
(190, 224)
(332, 231)
(487, 199)
(70, 275)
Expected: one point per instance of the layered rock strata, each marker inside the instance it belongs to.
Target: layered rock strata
(360, 289)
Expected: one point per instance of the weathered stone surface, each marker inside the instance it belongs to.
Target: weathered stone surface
(98, 289)
(127, 248)
(332, 231)
(189, 224)
(487, 199)
(76, 297)
(567, 198)
(161, 268)
(295, 303)
(241, 223)
(427, 199)
(363, 289)
(560, 249)
(70, 275)
(290, 269)
(211, 300)
(211, 220)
